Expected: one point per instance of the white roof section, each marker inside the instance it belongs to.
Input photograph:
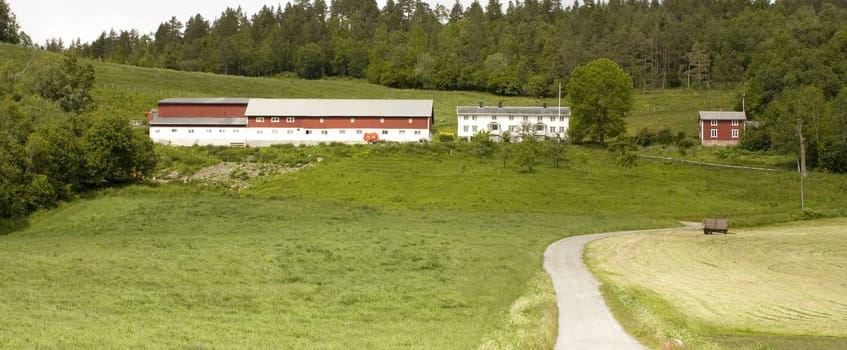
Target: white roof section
(706, 115)
(259, 107)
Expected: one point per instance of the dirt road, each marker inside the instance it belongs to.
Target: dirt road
(585, 321)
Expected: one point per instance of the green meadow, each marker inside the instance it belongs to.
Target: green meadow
(421, 246)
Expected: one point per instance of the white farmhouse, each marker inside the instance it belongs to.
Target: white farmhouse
(499, 121)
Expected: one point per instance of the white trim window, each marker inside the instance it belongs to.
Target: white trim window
(417, 132)
(735, 133)
(324, 132)
(274, 119)
(714, 133)
(714, 122)
(734, 123)
(385, 132)
(289, 119)
(260, 119)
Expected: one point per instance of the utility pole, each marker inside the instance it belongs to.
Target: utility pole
(802, 165)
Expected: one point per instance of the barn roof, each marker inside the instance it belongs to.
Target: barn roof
(338, 108)
(538, 111)
(205, 101)
(199, 121)
(706, 115)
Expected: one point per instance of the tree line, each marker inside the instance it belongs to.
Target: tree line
(52, 147)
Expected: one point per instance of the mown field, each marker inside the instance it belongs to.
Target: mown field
(774, 287)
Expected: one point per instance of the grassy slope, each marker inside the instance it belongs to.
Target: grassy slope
(444, 244)
(784, 281)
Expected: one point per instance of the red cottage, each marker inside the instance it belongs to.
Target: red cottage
(721, 128)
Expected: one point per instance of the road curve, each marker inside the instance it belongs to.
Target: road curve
(585, 321)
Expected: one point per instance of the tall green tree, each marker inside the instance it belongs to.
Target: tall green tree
(601, 97)
(69, 84)
(8, 25)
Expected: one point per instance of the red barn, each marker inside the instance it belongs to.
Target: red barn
(263, 122)
(721, 128)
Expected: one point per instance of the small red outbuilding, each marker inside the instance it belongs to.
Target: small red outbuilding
(721, 128)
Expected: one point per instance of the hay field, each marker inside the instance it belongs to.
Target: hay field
(783, 280)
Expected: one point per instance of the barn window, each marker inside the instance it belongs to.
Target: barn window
(274, 131)
(358, 132)
(525, 118)
(385, 132)
(289, 131)
(221, 130)
(208, 131)
(308, 132)
(322, 120)
(561, 119)
(714, 123)
(324, 132)
(289, 119)
(173, 130)
(734, 123)
(511, 117)
(714, 133)
(465, 117)
(552, 119)
(402, 132)
(473, 118)
(735, 133)
(259, 132)
(190, 131)
(410, 120)
(540, 119)
(235, 131)
(382, 120)
(352, 120)
(260, 119)
(157, 131)
(342, 132)
(417, 132)
(274, 119)
(493, 117)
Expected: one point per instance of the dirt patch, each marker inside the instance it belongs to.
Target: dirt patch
(234, 174)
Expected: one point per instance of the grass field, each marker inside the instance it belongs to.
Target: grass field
(376, 246)
(776, 287)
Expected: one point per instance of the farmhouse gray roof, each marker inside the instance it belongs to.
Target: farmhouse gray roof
(338, 108)
(205, 101)
(199, 121)
(538, 111)
(706, 115)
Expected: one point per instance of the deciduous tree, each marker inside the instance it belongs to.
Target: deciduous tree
(601, 97)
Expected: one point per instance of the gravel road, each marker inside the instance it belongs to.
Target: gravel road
(585, 321)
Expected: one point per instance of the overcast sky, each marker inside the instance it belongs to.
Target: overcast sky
(86, 19)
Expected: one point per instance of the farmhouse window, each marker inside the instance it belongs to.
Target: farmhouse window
(493, 117)
(173, 130)
(540, 119)
(561, 129)
(274, 119)
(259, 132)
(289, 131)
(473, 118)
(525, 118)
(190, 131)
(208, 131)
(385, 132)
(473, 128)
(382, 120)
(714, 123)
(734, 123)
(552, 129)
(322, 120)
(157, 131)
(260, 119)
(289, 119)
(358, 132)
(352, 120)
(402, 132)
(274, 131)
(417, 132)
(221, 131)
(324, 132)
(561, 119)
(465, 128)
(308, 132)
(410, 120)
(342, 132)
(714, 133)
(511, 117)
(465, 117)
(735, 133)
